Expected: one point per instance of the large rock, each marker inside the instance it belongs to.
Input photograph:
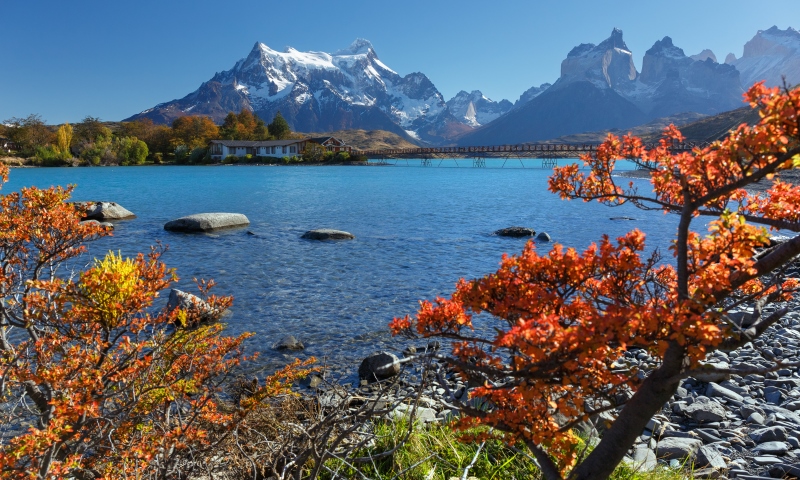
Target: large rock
(705, 410)
(379, 366)
(771, 448)
(709, 456)
(769, 434)
(207, 222)
(715, 390)
(515, 232)
(678, 448)
(197, 309)
(105, 211)
(327, 234)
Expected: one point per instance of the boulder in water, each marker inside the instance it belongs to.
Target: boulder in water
(327, 234)
(102, 224)
(207, 222)
(105, 211)
(198, 310)
(515, 232)
(543, 237)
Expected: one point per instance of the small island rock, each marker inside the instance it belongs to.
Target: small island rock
(327, 234)
(515, 232)
(207, 222)
(105, 211)
(543, 237)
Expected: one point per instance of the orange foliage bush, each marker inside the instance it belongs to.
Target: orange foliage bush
(99, 383)
(563, 319)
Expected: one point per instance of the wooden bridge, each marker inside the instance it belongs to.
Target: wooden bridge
(548, 152)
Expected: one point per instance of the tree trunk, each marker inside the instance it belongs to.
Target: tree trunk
(648, 400)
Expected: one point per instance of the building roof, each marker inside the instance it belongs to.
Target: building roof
(256, 143)
(322, 140)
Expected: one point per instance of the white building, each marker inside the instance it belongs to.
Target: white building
(220, 149)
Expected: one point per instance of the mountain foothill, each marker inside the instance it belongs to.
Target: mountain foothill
(599, 89)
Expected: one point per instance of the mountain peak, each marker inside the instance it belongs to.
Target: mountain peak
(605, 65)
(615, 40)
(770, 55)
(359, 46)
(705, 55)
(665, 48)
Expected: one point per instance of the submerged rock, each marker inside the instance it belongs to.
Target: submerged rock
(515, 232)
(289, 342)
(327, 234)
(207, 222)
(543, 237)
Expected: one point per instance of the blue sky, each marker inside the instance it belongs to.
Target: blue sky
(111, 59)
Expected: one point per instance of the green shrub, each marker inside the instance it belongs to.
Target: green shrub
(49, 156)
(199, 155)
(181, 153)
(130, 151)
(230, 159)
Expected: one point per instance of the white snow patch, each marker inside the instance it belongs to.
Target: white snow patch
(383, 66)
(413, 134)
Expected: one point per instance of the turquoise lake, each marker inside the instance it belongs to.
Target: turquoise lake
(418, 230)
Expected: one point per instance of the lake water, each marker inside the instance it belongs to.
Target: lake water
(418, 230)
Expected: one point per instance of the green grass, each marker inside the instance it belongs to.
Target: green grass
(436, 453)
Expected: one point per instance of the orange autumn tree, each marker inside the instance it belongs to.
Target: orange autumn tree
(562, 319)
(95, 382)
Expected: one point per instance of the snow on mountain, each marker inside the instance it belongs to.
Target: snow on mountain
(475, 109)
(770, 55)
(319, 91)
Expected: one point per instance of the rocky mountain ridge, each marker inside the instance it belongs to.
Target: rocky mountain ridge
(770, 55)
(599, 89)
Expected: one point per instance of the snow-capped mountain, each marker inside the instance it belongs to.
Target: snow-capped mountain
(770, 55)
(475, 109)
(599, 89)
(318, 91)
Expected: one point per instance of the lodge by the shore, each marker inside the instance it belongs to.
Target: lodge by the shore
(219, 149)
